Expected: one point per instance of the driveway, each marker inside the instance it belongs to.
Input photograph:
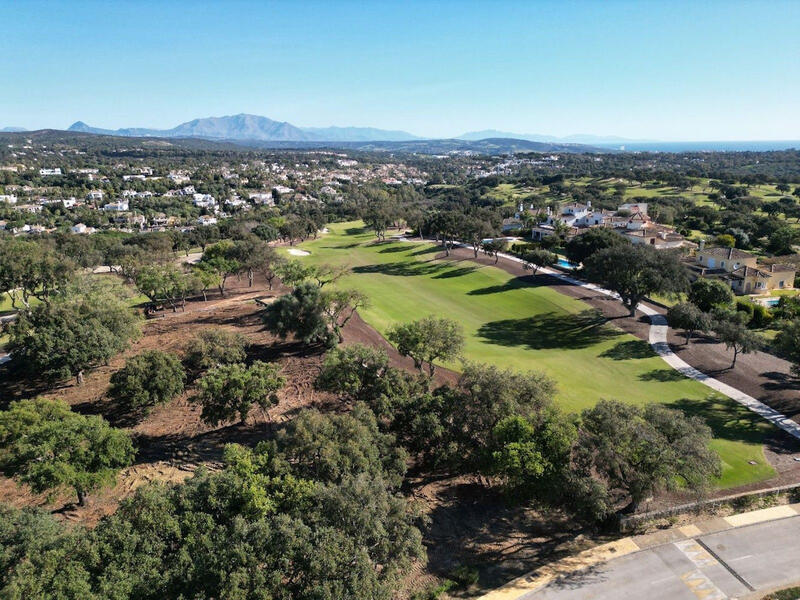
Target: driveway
(738, 563)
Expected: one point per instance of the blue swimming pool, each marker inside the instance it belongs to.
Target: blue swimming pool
(565, 264)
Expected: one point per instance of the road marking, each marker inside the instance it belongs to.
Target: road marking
(696, 553)
(702, 587)
(730, 569)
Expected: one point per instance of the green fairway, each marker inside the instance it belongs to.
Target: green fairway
(515, 323)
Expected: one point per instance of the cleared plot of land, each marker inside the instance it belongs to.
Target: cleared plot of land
(515, 323)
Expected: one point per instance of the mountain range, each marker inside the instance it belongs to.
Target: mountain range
(254, 128)
(244, 127)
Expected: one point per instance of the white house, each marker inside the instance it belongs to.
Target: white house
(204, 200)
(68, 202)
(8, 199)
(81, 228)
(118, 206)
(95, 195)
(45, 172)
(206, 220)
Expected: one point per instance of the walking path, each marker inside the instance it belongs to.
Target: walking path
(658, 341)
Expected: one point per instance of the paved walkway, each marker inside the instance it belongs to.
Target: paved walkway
(725, 557)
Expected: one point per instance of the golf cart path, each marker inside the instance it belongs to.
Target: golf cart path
(657, 339)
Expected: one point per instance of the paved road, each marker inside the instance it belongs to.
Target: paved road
(729, 564)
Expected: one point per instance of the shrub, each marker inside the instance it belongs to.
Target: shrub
(213, 348)
(151, 378)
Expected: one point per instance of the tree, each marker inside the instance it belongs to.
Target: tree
(725, 240)
(47, 446)
(536, 259)
(688, 317)
(331, 448)
(494, 248)
(76, 331)
(639, 451)
(165, 283)
(427, 340)
(581, 247)
(476, 230)
(737, 337)
(147, 379)
(788, 342)
(214, 347)
(708, 294)
(228, 391)
(636, 271)
(313, 315)
(295, 272)
(378, 219)
(222, 258)
(782, 240)
(28, 270)
(207, 277)
(339, 306)
(356, 372)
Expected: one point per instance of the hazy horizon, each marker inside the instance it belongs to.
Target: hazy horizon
(665, 71)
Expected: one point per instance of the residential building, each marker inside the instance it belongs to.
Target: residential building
(118, 206)
(742, 271)
(8, 198)
(46, 172)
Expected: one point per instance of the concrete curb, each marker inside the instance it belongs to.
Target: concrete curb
(537, 579)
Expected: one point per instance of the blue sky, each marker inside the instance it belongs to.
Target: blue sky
(699, 70)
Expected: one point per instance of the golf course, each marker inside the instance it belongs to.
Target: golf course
(517, 324)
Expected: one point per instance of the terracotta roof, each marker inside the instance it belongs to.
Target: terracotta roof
(728, 253)
(782, 269)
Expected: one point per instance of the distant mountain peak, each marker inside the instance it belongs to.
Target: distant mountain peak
(244, 126)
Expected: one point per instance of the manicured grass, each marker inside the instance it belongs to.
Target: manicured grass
(515, 323)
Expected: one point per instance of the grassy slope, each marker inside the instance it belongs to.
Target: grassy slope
(513, 324)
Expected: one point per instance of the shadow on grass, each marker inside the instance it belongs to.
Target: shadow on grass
(629, 350)
(356, 230)
(517, 283)
(550, 330)
(342, 246)
(662, 375)
(428, 250)
(727, 420)
(415, 269)
(393, 249)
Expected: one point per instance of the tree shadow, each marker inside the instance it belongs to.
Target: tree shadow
(727, 420)
(428, 250)
(662, 375)
(629, 350)
(394, 249)
(355, 230)
(458, 272)
(471, 524)
(780, 381)
(517, 283)
(550, 330)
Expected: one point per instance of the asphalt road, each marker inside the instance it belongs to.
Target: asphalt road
(729, 564)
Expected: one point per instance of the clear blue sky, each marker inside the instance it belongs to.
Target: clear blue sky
(695, 70)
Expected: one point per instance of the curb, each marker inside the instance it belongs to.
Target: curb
(537, 579)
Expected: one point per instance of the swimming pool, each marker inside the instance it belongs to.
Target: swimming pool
(565, 264)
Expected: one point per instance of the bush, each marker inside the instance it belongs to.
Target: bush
(761, 316)
(213, 348)
(746, 307)
(148, 379)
